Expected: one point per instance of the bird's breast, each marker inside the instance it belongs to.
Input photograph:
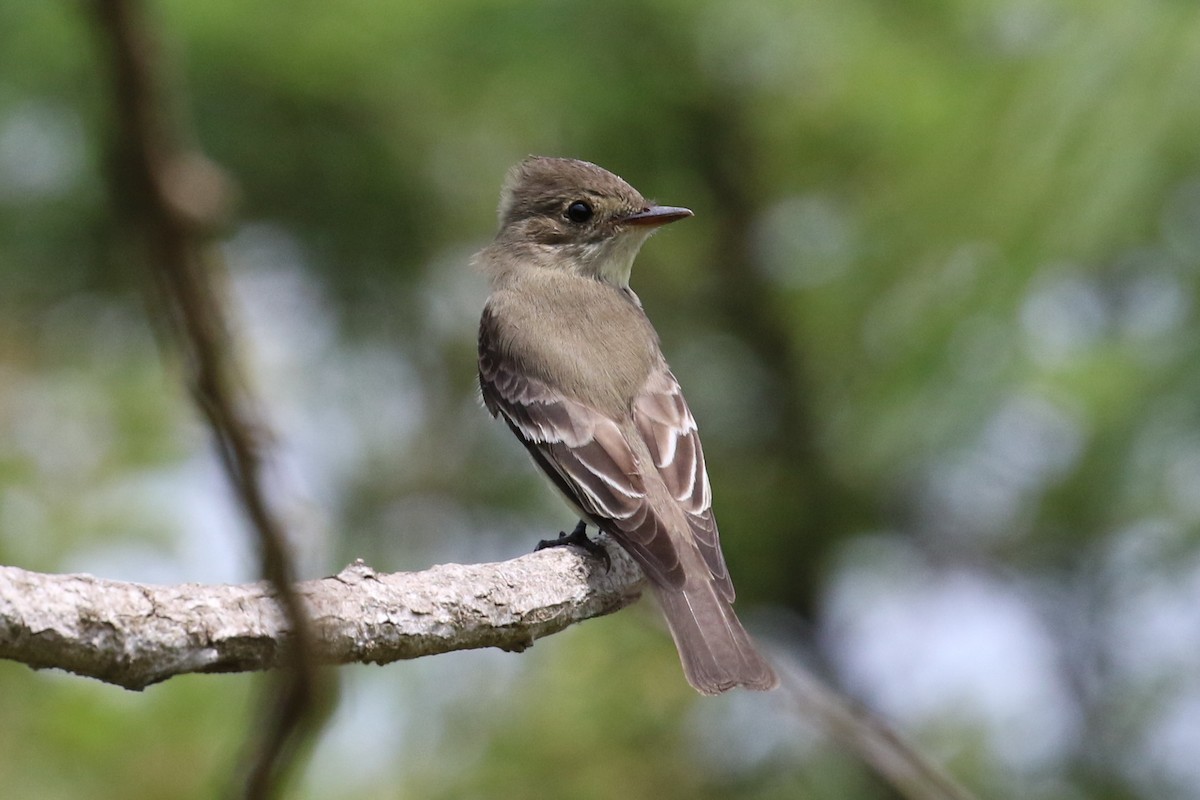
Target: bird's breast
(587, 339)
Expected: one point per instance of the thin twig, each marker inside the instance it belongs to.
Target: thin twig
(173, 197)
(895, 760)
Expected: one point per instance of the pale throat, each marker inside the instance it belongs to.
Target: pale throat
(611, 260)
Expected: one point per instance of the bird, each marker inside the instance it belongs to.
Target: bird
(570, 361)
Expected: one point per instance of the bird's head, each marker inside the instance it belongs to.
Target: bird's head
(578, 216)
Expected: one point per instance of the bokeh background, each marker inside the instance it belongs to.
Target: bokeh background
(936, 316)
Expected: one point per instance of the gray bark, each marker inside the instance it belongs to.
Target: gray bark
(134, 635)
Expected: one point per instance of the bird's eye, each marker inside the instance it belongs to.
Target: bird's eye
(579, 211)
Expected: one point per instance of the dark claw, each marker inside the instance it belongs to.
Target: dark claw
(579, 538)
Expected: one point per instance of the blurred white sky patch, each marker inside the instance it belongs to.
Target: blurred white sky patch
(740, 731)
(1143, 295)
(780, 46)
(98, 400)
(1166, 761)
(1019, 28)
(62, 425)
(1152, 642)
(405, 718)
(1063, 317)
(929, 288)
(195, 531)
(334, 404)
(1153, 302)
(1182, 479)
(41, 152)
(1032, 440)
(438, 529)
(281, 309)
(742, 404)
(367, 731)
(453, 294)
(334, 408)
(981, 349)
(806, 240)
(1153, 632)
(1180, 222)
(948, 648)
(986, 493)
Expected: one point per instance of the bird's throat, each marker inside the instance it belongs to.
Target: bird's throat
(611, 259)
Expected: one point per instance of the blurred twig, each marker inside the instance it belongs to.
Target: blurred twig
(898, 763)
(173, 198)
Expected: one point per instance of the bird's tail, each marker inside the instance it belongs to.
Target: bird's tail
(716, 651)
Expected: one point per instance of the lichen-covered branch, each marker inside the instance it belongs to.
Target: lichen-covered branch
(134, 635)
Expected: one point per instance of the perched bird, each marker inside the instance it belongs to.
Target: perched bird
(568, 358)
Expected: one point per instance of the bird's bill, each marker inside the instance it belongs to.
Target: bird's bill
(657, 215)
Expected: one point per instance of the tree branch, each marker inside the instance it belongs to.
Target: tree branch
(134, 635)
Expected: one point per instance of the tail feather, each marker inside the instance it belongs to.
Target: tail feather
(716, 651)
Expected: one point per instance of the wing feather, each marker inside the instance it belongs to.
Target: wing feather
(666, 424)
(584, 453)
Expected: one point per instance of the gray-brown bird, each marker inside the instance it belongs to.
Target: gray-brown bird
(569, 360)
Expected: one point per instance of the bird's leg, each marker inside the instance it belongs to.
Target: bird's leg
(579, 538)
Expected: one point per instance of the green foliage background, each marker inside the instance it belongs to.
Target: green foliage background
(935, 315)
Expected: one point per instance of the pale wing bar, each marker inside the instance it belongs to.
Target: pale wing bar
(666, 424)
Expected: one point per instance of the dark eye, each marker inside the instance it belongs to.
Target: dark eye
(579, 211)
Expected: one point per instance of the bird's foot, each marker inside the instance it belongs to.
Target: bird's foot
(579, 538)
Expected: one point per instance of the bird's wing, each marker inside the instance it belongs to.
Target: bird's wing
(584, 453)
(666, 424)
